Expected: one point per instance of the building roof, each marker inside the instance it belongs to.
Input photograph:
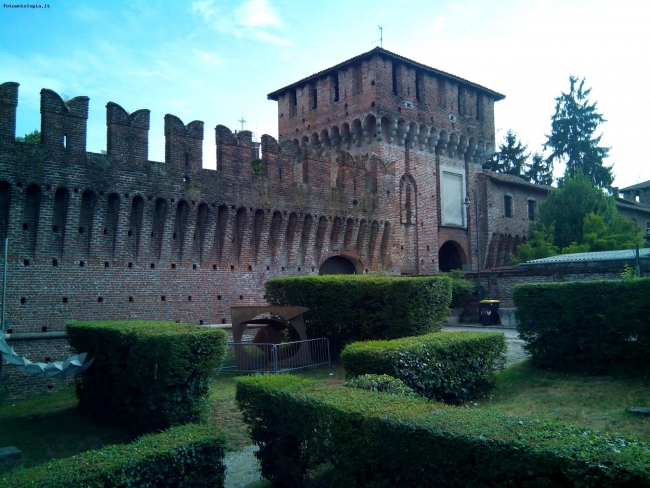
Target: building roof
(516, 180)
(643, 207)
(639, 186)
(581, 257)
(383, 52)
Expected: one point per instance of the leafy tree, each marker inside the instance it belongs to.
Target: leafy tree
(539, 246)
(619, 234)
(573, 141)
(256, 166)
(578, 217)
(31, 138)
(567, 207)
(510, 158)
(539, 170)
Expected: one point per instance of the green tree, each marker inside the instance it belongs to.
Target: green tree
(618, 234)
(578, 217)
(573, 141)
(539, 170)
(256, 166)
(510, 158)
(31, 138)
(567, 207)
(539, 246)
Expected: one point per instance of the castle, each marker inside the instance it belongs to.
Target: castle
(371, 170)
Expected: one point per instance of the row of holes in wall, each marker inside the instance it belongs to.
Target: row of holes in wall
(220, 217)
(163, 298)
(82, 264)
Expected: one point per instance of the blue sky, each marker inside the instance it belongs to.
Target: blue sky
(215, 60)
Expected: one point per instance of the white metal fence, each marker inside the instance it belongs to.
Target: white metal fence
(276, 358)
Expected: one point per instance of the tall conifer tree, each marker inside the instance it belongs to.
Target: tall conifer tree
(510, 158)
(539, 170)
(573, 141)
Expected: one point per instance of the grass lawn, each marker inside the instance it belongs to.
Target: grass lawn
(50, 426)
(597, 402)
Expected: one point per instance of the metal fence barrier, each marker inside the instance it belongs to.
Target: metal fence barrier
(247, 357)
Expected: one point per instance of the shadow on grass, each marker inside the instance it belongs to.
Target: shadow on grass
(49, 427)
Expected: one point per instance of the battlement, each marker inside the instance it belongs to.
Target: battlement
(8, 104)
(127, 134)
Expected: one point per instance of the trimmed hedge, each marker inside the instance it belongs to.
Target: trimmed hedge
(586, 326)
(146, 376)
(186, 456)
(380, 382)
(348, 308)
(369, 439)
(448, 366)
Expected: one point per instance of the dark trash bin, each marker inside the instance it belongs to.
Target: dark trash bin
(488, 312)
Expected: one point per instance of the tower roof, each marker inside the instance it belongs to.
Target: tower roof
(383, 52)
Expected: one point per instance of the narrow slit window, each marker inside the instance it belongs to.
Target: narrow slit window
(531, 209)
(507, 206)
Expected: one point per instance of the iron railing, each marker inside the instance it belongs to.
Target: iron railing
(248, 357)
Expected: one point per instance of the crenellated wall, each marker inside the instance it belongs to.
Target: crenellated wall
(118, 236)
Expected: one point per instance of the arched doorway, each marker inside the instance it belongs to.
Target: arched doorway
(451, 256)
(337, 265)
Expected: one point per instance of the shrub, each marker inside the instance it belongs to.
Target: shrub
(461, 289)
(187, 456)
(376, 440)
(586, 326)
(449, 366)
(347, 308)
(146, 375)
(381, 382)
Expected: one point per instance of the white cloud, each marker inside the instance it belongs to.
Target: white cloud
(250, 20)
(208, 58)
(273, 39)
(256, 13)
(205, 9)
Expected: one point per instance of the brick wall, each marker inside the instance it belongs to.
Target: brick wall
(117, 236)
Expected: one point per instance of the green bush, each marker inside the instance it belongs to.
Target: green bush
(586, 326)
(461, 289)
(380, 382)
(347, 308)
(379, 440)
(186, 456)
(449, 366)
(146, 375)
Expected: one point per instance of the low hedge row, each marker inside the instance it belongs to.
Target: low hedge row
(362, 438)
(186, 456)
(449, 366)
(347, 308)
(586, 326)
(146, 376)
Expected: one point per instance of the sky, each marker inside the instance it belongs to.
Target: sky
(216, 60)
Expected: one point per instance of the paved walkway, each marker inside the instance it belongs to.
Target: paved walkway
(515, 352)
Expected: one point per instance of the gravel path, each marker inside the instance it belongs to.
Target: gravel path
(243, 468)
(515, 352)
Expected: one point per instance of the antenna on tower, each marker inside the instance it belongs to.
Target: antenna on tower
(381, 36)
